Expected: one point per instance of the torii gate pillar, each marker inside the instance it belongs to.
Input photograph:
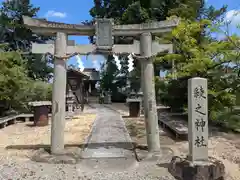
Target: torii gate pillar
(59, 93)
(148, 85)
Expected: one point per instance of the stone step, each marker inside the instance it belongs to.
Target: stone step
(103, 152)
(108, 164)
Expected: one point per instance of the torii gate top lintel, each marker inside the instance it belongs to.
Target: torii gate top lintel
(49, 27)
(43, 26)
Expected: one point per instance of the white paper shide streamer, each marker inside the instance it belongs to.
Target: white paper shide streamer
(117, 61)
(130, 62)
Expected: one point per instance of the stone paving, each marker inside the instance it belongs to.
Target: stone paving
(109, 137)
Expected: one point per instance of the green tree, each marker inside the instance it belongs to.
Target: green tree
(19, 37)
(197, 53)
(108, 75)
(210, 59)
(131, 12)
(17, 89)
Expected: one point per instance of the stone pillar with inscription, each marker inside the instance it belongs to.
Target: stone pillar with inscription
(197, 165)
(198, 119)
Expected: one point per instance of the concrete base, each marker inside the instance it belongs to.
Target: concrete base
(183, 169)
(69, 156)
(142, 153)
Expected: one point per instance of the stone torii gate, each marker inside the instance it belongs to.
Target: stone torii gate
(104, 30)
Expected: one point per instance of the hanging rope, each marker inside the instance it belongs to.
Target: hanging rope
(62, 57)
(141, 57)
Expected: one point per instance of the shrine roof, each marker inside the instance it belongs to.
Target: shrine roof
(77, 72)
(92, 73)
(89, 69)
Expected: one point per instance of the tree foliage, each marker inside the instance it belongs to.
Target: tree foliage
(132, 12)
(19, 37)
(23, 75)
(17, 89)
(216, 60)
(196, 52)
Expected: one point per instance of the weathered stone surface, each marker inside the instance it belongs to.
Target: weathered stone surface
(89, 48)
(69, 156)
(198, 119)
(109, 137)
(149, 97)
(49, 27)
(104, 33)
(142, 154)
(183, 169)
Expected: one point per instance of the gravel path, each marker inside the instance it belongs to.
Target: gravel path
(12, 168)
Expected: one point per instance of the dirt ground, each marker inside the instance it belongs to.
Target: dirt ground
(22, 139)
(223, 146)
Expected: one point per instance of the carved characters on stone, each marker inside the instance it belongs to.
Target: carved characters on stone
(198, 119)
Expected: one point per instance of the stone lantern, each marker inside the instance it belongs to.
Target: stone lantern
(140, 95)
(135, 103)
(107, 97)
(70, 101)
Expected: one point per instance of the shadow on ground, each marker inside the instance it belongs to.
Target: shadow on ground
(123, 145)
(164, 165)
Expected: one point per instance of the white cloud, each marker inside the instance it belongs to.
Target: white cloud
(79, 63)
(233, 16)
(96, 64)
(55, 14)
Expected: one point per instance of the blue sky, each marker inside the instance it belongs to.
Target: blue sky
(73, 11)
(76, 11)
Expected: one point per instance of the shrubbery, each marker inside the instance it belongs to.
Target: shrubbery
(17, 89)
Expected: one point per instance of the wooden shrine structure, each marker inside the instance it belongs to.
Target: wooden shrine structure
(75, 85)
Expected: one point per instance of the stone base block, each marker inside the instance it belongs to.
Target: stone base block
(142, 153)
(69, 156)
(183, 169)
